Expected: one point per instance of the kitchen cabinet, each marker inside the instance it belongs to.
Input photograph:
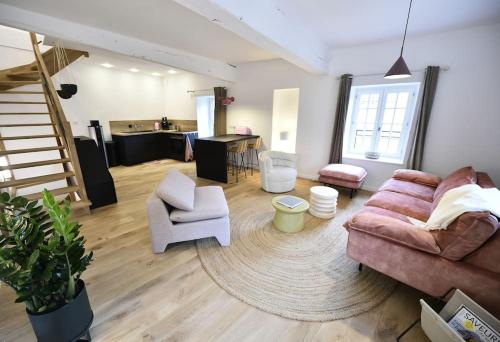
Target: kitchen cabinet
(136, 148)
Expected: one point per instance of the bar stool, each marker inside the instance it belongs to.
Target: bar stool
(236, 153)
(253, 145)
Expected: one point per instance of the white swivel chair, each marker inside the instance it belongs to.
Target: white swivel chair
(278, 171)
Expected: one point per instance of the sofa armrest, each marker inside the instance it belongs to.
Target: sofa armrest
(415, 176)
(394, 230)
(265, 163)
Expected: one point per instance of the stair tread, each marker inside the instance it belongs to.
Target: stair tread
(80, 204)
(25, 137)
(55, 192)
(26, 182)
(19, 82)
(31, 150)
(28, 125)
(23, 102)
(21, 92)
(37, 113)
(35, 164)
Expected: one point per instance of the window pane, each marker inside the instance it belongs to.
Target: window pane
(402, 100)
(391, 100)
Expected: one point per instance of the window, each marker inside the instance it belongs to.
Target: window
(205, 106)
(380, 118)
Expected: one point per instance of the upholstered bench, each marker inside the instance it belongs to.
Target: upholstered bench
(343, 175)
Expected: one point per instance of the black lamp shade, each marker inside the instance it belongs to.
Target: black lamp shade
(398, 70)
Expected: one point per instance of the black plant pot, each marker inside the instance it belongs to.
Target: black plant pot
(70, 322)
(69, 88)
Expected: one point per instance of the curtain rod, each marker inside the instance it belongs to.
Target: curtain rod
(443, 68)
(197, 90)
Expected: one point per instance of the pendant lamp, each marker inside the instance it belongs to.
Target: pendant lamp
(400, 69)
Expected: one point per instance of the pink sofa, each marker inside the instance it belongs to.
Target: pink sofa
(464, 256)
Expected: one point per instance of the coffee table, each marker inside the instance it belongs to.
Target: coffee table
(289, 220)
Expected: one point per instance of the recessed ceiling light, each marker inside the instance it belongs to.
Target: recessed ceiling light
(107, 65)
(156, 74)
(172, 71)
(133, 70)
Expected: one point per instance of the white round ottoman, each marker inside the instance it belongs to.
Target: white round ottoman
(323, 202)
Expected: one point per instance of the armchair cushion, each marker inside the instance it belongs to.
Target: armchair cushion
(209, 203)
(177, 190)
(418, 177)
(394, 230)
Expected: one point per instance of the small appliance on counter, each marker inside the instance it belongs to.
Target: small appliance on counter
(164, 123)
(95, 133)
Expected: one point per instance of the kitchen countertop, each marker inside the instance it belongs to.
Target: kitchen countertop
(124, 134)
(229, 138)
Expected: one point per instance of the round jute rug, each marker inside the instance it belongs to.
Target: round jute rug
(305, 276)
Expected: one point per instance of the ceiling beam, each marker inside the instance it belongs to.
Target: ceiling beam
(270, 24)
(89, 36)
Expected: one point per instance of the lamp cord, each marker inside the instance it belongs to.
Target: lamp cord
(406, 27)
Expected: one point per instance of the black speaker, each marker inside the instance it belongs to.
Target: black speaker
(112, 153)
(98, 181)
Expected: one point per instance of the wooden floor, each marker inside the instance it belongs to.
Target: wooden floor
(139, 296)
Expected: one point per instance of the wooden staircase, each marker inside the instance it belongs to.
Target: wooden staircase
(33, 161)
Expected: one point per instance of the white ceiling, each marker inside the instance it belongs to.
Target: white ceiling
(300, 31)
(162, 22)
(354, 22)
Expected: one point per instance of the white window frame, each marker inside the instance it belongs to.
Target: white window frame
(382, 90)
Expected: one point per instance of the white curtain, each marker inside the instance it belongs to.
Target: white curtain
(205, 115)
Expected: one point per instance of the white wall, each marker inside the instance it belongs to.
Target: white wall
(253, 106)
(463, 129)
(178, 103)
(109, 94)
(465, 120)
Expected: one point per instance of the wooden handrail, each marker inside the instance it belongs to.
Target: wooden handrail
(62, 125)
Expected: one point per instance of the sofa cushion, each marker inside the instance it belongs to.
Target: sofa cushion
(282, 174)
(466, 234)
(394, 230)
(209, 203)
(177, 190)
(423, 192)
(415, 176)
(384, 212)
(344, 172)
(401, 203)
(465, 175)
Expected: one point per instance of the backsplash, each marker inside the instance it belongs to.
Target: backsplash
(143, 125)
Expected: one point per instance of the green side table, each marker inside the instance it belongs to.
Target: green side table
(289, 220)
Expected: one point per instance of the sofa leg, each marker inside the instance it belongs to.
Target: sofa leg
(351, 193)
(360, 267)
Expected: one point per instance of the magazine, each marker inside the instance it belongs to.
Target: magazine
(472, 328)
(290, 201)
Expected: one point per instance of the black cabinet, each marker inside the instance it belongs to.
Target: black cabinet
(139, 148)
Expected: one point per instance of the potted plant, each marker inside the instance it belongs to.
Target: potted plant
(42, 257)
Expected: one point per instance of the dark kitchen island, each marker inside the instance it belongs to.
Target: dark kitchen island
(210, 154)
